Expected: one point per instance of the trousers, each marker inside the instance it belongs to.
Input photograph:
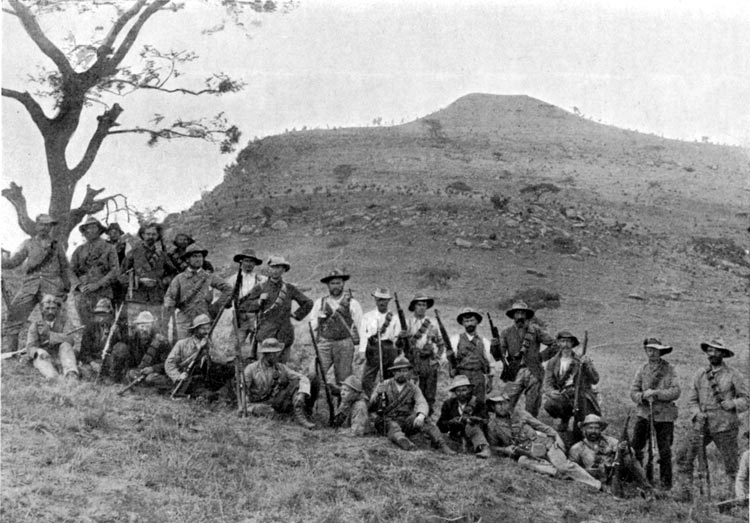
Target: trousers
(664, 437)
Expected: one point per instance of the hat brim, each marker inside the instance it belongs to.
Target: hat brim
(460, 317)
(47, 222)
(239, 257)
(497, 399)
(575, 342)
(453, 387)
(381, 296)
(270, 350)
(285, 265)
(728, 353)
(193, 327)
(404, 366)
(204, 252)
(663, 349)
(512, 312)
(349, 385)
(102, 228)
(412, 303)
(602, 424)
(326, 279)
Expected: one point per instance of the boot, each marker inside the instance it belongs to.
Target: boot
(72, 377)
(405, 443)
(445, 449)
(301, 418)
(483, 452)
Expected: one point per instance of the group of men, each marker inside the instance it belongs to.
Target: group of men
(171, 300)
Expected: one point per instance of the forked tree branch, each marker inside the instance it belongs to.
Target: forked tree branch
(106, 121)
(32, 106)
(14, 194)
(129, 40)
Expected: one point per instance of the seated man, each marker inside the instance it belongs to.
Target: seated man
(207, 379)
(147, 351)
(606, 459)
(94, 341)
(401, 409)
(516, 433)
(352, 410)
(272, 386)
(463, 417)
(560, 382)
(46, 337)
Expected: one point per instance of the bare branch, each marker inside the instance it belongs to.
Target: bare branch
(107, 44)
(90, 204)
(107, 120)
(30, 24)
(129, 40)
(181, 90)
(14, 194)
(32, 106)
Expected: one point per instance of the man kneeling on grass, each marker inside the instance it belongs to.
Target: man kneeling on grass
(463, 417)
(518, 434)
(272, 386)
(352, 411)
(47, 338)
(401, 409)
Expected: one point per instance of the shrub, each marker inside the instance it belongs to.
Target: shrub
(435, 277)
(338, 241)
(564, 245)
(534, 297)
(459, 186)
(500, 203)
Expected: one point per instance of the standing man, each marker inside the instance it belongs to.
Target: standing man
(192, 292)
(718, 393)
(46, 337)
(146, 274)
(248, 280)
(472, 355)
(654, 391)
(45, 272)
(560, 382)
(95, 267)
(272, 300)
(176, 253)
(114, 235)
(337, 318)
(427, 346)
(380, 335)
(464, 417)
(520, 343)
(147, 350)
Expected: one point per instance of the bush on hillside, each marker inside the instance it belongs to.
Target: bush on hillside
(500, 203)
(338, 241)
(540, 189)
(459, 186)
(564, 245)
(534, 297)
(435, 277)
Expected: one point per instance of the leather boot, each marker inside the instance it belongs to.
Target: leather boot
(483, 452)
(445, 449)
(301, 418)
(404, 442)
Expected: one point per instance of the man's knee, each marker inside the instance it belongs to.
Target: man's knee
(41, 355)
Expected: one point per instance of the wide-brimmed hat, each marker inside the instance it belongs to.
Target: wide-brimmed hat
(194, 248)
(157, 226)
(460, 381)
(270, 345)
(90, 220)
(381, 293)
(104, 306)
(275, 261)
(497, 397)
(653, 343)
(717, 343)
(190, 239)
(335, 273)
(569, 335)
(520, 306)
(144, 317)
(468, 311)
(114, 226)
(593, 419)
(354, 383)
(421, 297)
(201, 319)
(51, 298)
(45, 219)
(400, 363)
(247, 254)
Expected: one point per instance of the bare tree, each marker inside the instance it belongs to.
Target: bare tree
(93, 73)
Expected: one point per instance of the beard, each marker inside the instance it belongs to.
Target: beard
(715, 360)
(471, 329)
(593, 436)
(144, 336)
(336, 292)
(401, 378)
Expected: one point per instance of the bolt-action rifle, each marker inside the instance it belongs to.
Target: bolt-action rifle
(507, 374)
(651, 442)
(108, 343)
(402, 323)
(132, 384)
(239, 363)
(450, 354)
(577, 410)
(618, 467)
(319, 367)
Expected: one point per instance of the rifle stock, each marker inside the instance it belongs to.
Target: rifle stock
(651, 442)
(319, 366)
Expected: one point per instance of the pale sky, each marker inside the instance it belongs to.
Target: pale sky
(677, 69)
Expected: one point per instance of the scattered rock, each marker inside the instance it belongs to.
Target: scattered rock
(460, 242)
(485, 245)
(564, 245)
(247, 229)
(226, 234)
(409, 222)
(536, 273)
(459, 186)
(279, 225)
(636, 296)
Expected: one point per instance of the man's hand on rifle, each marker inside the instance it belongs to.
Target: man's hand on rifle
(403, 333)
(700, 418)
(649, 395)
(263, 298)
(728, 405)
(622, 446)
(419, 421)
(183, 376)
(359, 359)
(145, 371)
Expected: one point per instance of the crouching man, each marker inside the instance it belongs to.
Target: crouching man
(272, 386)
(463, 417)
(46, 338)
(401, 409)
(606, 459)
(352, 411)
(148, 350)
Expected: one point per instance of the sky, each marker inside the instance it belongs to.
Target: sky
(675, 69)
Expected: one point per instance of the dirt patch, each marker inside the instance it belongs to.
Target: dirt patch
(716, 251)
(534, 297)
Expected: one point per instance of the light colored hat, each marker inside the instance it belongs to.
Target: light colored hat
(468, 311)
(104, 306)
(593, 419)
(504, 393)
(90, 220)
(270, 345)
(520, 306)
(275, 261)
(201, 319)
(51, 298)
(247, 254)
(354, 383)
(717, 343)
(335, 273)
(45, 219)
(569, 335)
(194, 248)
(653, 343)
(460, 381)
(382, 293)
(400, 363)
(144, 317)
(421, 297)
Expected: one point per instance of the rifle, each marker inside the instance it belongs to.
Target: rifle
(402, 322)
(703, 472)
(507, 374)
(651, 442)
(577, 414)
(132, 384)
(239, 374)
(319, 366)
(383, 399)
(106, 349)
(618, 467)
(726, 506)
(6, 355)
(449, 352)
(183, 385)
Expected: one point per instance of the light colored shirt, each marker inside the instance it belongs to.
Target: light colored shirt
(372, 321)
(742, 482)
(731, 387)
(249, 280)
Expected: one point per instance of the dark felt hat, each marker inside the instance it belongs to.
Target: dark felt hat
(421, 297)
(335, 273)
(90, 220)
(569, 335)
(247, 254)
(520, 306)
(717, 343)
(194, 248)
